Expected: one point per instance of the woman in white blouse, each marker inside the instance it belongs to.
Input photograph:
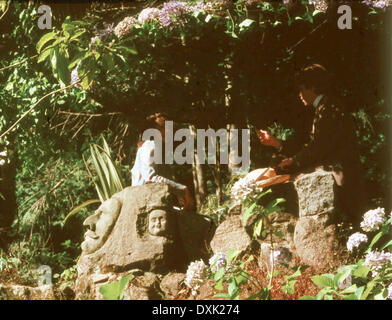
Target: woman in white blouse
(146, 171)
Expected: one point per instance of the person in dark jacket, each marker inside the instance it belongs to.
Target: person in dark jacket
(331, 144)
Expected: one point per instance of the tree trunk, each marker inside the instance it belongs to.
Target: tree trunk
(198, 175)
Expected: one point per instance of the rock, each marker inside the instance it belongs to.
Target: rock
(99, 278)
(230, 235)
(145, 287)
(138, 228)
(282, 255)
(18, 292)
(195, 232)
(316, 242)
(284, 223)
(316, 194)
(172, 283)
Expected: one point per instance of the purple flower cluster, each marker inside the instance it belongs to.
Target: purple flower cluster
(356, 240)
(173, 12)
(373, 219)
(376, 260)
(217, 261)
(379, 4)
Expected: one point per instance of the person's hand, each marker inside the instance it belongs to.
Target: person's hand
(267, 139)
(285, 163)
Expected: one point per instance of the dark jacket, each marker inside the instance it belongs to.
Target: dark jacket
(332, 145)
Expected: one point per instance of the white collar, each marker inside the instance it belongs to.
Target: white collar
(317, 100)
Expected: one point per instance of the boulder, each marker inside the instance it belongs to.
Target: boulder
(316, 194)
(316, 242)
(283, 223)
(172, 284)
(230, 235)
(145, 287)
(18, 292)
(138, 228)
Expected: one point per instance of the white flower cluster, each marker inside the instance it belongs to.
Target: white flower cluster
(373, 219)
(281, 255)
(75, 77)
(3, 156)
(320, 5)
(195, 275)
(356, 240)
(124, 26)
(243, 188)
(217, 261)
(389, 296)
(148, 14)
(375, 260)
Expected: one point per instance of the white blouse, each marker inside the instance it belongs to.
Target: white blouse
(143, 170)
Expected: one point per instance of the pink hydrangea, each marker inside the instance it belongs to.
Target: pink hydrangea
(355, 240)
(373, 219)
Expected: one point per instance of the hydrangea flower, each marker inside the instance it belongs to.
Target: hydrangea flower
(281, 255)
(376, 260)
(243, 188)
(75, 77)
(202, 6)
(174, 12)
(3, 156)
(320, 5)
(389, 296)
(373, 219)
(124, 26)
(217, 261)
(379, 4)
(148, 14)
(355, 240)
(195, 275)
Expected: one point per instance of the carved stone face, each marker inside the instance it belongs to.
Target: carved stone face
(157, 223)
(100, 224)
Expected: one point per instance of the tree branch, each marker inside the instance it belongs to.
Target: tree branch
(36, 104)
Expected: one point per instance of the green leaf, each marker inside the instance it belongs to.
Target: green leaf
(219, 285)
(361, 272)
(307, 298)
(222, 295)
(388, 244)
(219, 274)
(46, 53)
(45, 39)
(114, 290)
(77, 35)
(80, 207)
(233, 288)
(375, 239)
(232, 255)
(258, 226)
(127, 49)
(246, 23)
(62, 67)
(316, 12)
(323, 281)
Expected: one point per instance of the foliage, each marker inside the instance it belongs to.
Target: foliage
(231, 64)
(368, 279)
(115, 290)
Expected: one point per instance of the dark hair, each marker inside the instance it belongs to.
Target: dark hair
(315, 76)
(148, 123)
